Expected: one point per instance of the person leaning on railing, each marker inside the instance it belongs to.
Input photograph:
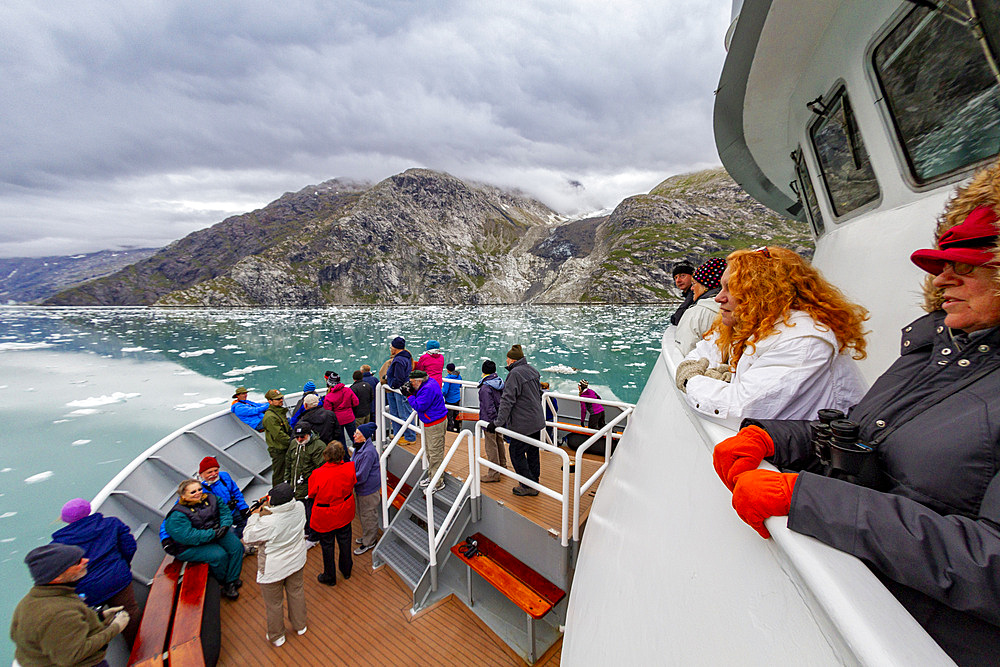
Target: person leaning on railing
(781, 347)
(928, 521)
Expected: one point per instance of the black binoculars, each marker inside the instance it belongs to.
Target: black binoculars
(840, 451)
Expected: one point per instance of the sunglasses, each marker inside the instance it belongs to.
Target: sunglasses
(958, 268)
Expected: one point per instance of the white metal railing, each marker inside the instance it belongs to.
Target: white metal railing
(579, 488)
(434, 536)
(411, 422)
(547, 405)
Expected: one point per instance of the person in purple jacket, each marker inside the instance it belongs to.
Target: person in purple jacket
(490, 389)
(366, 490)
(597, 417)
(423, 393)
(109, 546)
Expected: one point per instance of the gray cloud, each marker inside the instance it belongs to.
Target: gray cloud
(136, 123)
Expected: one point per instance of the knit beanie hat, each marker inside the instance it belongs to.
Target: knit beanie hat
(368, 429)
(451, 367)
(48, 562)
(489, 367)
(74, 510)
(515, 352)
(206, 463)
(281, 494)
(309, 386)
(433, 345)
(709, 273)
(681, 267)
(399, 343)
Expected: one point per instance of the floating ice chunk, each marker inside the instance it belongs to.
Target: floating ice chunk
(8, 539)
(7, 515)
(236, 379)
(77, 443)
(248, 369)
(560, 368)
(191, 393)
(6, 470)
(133, 349)
(85, 411)
(184, 407)
(40, 477)
(197, 353)
(638, 364)
(94, 401)
(16, 347)
(230, 347)
(218, 400)
(184, 372)
(61, 421)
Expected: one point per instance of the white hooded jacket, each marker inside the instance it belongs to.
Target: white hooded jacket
(281, 539)
(789, 375)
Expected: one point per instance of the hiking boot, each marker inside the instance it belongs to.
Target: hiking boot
(229, 591)
(521, 490)
(326, 580)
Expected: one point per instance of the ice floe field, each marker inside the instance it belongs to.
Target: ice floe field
(85, 390)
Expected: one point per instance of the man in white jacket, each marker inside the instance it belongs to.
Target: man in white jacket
(278, 530)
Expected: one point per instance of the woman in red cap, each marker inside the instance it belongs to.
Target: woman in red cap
(928, 521)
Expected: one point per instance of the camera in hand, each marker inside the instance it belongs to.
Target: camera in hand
(406, 389)
(255, 505)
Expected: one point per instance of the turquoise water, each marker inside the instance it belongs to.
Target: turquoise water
(84, 391)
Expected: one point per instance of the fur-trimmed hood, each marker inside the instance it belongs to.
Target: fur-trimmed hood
(982, 190)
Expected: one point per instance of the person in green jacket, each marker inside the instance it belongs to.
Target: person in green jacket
(305, 454)
(277, 434)
(51, 625)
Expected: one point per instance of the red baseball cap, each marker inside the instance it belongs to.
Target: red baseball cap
(971, 241)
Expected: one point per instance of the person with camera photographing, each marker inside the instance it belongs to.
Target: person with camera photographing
(197, 530)
(423, 393)
(51, 625)
(221, 484)
(276, 527)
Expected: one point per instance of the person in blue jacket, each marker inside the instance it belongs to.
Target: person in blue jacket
(452, 396)
(249, 412)
(225, 489)
(109, 546)
(424, 395)
(196, 530)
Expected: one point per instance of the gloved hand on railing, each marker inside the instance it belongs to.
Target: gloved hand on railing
(740, 453)
(689, 368)
(491, 428)
(761, 494)
(721, 372)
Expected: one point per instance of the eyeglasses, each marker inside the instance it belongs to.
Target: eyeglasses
(958, 268)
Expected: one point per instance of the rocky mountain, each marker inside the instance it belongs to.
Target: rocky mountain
(424, 237)
(30, 279)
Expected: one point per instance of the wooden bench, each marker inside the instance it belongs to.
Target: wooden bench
(520, 584)
(391, 482)
(179, 616)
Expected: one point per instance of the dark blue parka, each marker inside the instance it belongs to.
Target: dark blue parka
(399, 369)
(109, 545)
(933, 533)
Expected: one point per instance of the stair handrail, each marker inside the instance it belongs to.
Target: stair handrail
(580, 488)
(562, 498)
(434, 536)
(384, 455)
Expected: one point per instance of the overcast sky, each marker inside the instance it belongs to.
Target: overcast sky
(135, 123)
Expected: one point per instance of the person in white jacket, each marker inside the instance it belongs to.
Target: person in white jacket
(278, 529)
(782, 346)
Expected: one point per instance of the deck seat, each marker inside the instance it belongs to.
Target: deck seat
(392, 481)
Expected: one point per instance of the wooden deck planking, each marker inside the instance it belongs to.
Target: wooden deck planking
(541, 509)
(361, 620)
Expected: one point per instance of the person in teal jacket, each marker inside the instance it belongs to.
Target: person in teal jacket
(198, 532)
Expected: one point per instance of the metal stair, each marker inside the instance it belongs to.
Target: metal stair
(404, 545)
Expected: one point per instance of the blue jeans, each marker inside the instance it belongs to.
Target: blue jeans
(399, 408)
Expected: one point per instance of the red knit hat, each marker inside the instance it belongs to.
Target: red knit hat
(206, 463)
(971, 241)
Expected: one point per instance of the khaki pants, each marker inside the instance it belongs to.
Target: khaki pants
(368, 510)
(435, 446)
(273, 594)
(494, 451)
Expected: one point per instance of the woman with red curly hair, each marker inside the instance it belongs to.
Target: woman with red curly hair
(781, 347)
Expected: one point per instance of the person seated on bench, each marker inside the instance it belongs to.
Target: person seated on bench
(928, 524)
(196, 530)
(782, 346)
(249, 412)
(225, 489)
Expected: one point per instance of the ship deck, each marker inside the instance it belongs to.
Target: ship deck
(367, 619)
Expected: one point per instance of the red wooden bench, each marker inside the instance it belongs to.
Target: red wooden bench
(171, 625)
(520, 584)
(391, 482)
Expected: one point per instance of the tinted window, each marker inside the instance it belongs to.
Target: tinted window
(843, 159)
(807, 193)
(941, 92)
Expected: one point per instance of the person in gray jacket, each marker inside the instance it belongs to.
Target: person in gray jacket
(928, 524)
(520, 411)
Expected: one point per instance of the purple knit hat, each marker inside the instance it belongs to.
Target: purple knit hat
(75, 510)
(709, 273)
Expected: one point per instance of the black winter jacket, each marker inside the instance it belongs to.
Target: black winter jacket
(322, 422)
(521, 401)
(933, 536)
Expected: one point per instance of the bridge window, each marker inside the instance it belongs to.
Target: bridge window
(843, 160)
(937, 70)
(804, 188)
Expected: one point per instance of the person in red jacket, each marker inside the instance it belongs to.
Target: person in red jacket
(342, 401)
(331, 486)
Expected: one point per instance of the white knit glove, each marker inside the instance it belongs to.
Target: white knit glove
(688, 369)
(722, 372)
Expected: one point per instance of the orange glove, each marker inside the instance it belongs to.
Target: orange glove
(744, 451)
(760, 494)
